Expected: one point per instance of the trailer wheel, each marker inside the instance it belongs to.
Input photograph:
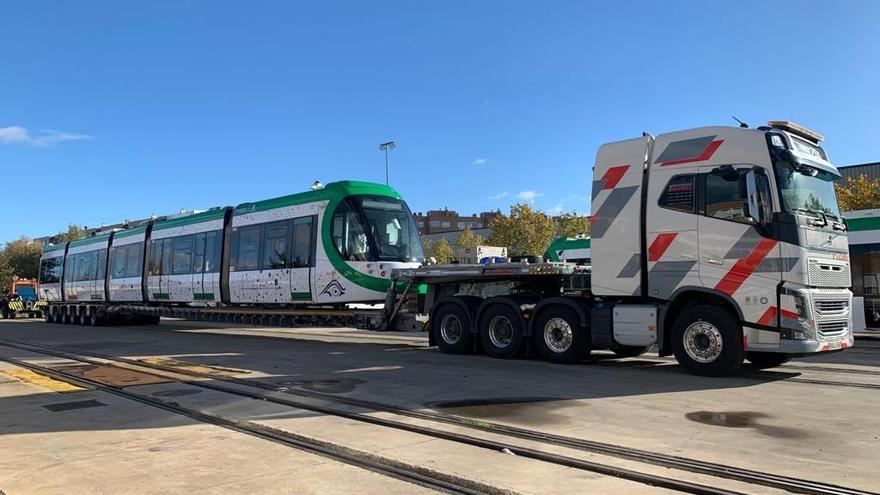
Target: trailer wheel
(451, 325)
(625, 351)
(560, 337)
(707, 341)
(762, 360)
(93, 318)
(501, 331)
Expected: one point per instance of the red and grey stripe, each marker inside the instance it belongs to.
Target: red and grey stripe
(617, 199)
(689, 151)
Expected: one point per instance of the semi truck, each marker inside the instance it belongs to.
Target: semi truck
(21, 299)
(716, 244)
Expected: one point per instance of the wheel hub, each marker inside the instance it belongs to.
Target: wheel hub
(451, 329)
(500, 331)
(703, 342)
(558, 335)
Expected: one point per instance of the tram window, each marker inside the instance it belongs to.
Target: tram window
(83, 267)
(70, 272)
(349, 236)
(50, 270)
(135, 262)
(199, 253)
(182, 260)
(212, 252)
(302, 242)
(275, 245)
(155, 265)
(247, 248)
(118, 261)
(100, 265)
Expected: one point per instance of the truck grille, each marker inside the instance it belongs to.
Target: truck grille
(828, 308)
(832, 328)
(824, 273)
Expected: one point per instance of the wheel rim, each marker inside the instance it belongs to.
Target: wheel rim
(500, 331)
(451, 329)
(703, 342)
(558, 335)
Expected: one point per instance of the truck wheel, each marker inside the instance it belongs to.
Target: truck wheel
(763, 360)
(451, 325)
(83, 318)
(560, 337)
(707, 341)
(93, 319)
(501, 331)
(625, 351)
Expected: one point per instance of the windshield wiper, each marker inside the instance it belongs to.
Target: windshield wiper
(820, 216)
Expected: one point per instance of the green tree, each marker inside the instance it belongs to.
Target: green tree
(858, 194)
(524, 232)
(469, 239)
(426, 247)
(19, 258)
(73, 233)
(442, 251)
(570, 225)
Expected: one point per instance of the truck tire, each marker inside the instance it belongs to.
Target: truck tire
(94, 320)
(560, 337)
(451, 325)
(626, 351)
(707, 341)
(762, 360)
(501, 331)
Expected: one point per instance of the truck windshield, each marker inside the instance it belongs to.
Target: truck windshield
(807, 190)
(392, 228)
(26, 291)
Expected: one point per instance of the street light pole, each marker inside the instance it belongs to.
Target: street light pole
(386, 147)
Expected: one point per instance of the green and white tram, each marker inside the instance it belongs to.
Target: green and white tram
(329, 246)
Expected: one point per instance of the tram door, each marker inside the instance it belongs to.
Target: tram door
(302, 259)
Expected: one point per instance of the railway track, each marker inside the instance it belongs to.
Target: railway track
(780, 482)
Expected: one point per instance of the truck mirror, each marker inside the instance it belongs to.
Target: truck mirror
(753, 213)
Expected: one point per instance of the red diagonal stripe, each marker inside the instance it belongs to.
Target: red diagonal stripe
(744, 267)
(613, 175)
(705, 155)
(768, 316)
(658, 247)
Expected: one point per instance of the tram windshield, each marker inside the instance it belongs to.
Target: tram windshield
(376, 228)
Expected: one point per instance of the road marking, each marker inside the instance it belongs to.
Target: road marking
(41, 381)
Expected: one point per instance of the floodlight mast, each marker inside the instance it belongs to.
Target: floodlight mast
(386, 147)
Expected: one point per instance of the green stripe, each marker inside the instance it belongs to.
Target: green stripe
(301, 296)
(859, 224)
(53, 247)
(202, 296)
(205, 216)
(331, 192)
(161, 295)
(90, 240)
(130, 232)
(564, 243)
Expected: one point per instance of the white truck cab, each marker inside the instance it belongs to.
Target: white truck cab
(734, 234)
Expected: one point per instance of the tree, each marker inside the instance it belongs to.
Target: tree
(524, 232)
(571, 224)
(469, 239)
(858, 194)
(19, 258)
(442, 251)
(73, 233)
(426, 247)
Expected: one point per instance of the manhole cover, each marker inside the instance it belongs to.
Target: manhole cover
(69, 406)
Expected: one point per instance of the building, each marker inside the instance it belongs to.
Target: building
(864, 251)
(446, 220)
(870, 170)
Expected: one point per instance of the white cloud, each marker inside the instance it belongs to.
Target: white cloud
(500, 195)
(528, 195)
(481, 161)
(557, 209)
(43, 138)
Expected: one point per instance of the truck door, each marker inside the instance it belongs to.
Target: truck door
(738, 257)
(302, 259)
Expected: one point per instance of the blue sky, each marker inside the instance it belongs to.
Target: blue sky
(113, 110)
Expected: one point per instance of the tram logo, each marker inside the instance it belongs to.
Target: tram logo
(333, 289)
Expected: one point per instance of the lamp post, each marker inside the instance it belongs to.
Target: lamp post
(386, 147)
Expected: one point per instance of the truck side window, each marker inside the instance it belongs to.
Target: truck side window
(679, 194)
(726, 197)
(765, 203)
